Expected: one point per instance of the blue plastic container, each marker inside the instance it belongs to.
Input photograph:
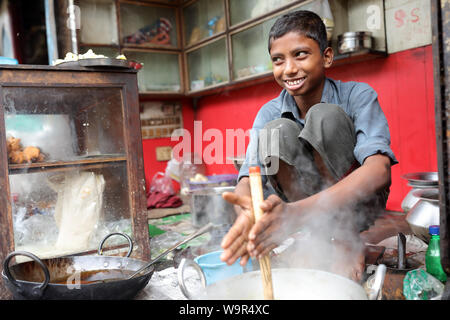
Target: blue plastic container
(215, 269)
(6, 60)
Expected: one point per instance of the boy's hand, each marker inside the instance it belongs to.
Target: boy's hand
(271, 229)
(235, 241)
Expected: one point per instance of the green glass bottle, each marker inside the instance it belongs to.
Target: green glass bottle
(433, 255)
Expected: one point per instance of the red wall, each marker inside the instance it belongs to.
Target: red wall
(152, 165)
(404, 82)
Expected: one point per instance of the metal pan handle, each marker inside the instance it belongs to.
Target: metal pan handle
(37, 291)
(130, 242)
(181, 268)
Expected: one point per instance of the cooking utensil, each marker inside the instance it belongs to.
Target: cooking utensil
(418, 181)
(257, 198)
(199, 232)
(289, 284)
(424, 213)
(401, 249)
(75, 277)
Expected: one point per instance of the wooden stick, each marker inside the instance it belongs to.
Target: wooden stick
(257, 198)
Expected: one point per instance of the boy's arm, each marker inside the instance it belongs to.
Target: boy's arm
(282, 218)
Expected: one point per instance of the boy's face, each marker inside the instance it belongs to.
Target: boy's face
(298, 65)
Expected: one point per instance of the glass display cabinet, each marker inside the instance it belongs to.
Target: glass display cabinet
(203, 19)
(143, 25)
(208, 66)
(93, 32)
(72, 169)
(241, 11)
(250, 55)
(197, 47)
(160, 71)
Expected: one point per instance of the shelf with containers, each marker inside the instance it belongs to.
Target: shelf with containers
(215, 44)
(202, 20)
(85, 177)
(144, 31)
(249, 23)
(366, 16)
(207, 66)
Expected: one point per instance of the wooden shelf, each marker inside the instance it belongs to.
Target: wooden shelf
(359, 56)
(91, 163)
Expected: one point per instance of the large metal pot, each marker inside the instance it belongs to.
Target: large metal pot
(424, 213)
(288, 284)
(75, 277)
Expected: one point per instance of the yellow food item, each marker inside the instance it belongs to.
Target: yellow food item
(13, 144)
(32, 154)
(16, 157)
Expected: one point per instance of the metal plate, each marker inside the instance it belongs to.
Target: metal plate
(97, 62)
(422, 178)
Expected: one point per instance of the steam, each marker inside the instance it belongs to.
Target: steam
(329, 239)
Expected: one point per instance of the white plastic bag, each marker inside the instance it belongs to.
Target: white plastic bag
(78, 209)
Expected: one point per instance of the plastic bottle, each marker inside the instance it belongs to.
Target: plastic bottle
(433, 256)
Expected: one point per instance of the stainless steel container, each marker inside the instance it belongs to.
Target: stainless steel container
(207, 205)
(424, 213)
(354, 41)
(418, 181)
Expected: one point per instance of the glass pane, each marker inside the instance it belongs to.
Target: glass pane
(208, 65)
(59, 213)
(106, 51)
(160, 71)
(250, 53)
(249, 9)
(68, 172)
(66, 124)
(98, 22)
(203, 19)
(148, 26)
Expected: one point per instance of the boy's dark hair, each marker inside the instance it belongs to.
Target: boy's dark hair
(303, 22)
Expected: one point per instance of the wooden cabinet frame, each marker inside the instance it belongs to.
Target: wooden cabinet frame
(24, 76)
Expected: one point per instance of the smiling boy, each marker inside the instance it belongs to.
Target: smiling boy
(334, 154)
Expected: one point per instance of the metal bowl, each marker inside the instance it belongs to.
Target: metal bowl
(422, 178)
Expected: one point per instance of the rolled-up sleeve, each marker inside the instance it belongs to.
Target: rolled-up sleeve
(371, 127)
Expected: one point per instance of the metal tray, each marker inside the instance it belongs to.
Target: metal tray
(97, 62)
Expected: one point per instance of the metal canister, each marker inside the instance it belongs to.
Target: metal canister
(354, 41)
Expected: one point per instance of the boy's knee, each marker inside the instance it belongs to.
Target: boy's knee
(326, 112)
(284, 126)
